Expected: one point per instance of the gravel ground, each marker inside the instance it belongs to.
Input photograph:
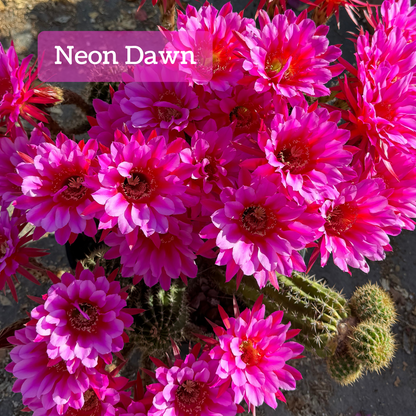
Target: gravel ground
(392, 393)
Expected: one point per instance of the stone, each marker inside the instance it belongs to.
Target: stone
(62, 19)
(4, 301)
(407, 344)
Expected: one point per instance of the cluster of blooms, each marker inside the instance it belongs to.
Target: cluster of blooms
(247, 362)
(60, 356)
(240, 168)
(59, 359)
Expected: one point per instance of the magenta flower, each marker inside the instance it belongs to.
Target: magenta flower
(243, 106)
(11, 183)
(357, 225)
(307, 150)
(214, 157)
(399, 13)
(54, 191)
(14, 256)
(391, 47)
(154, 104)
(252, 353)
(109, 118)
(138, 187)
(134, 409)
(216, 48)
(99, 400)
(188, 388)
(382, 106)
(18, 95)
(258, 231)
(162, 256)
(290, 55)
(83, 318)
(46, 384)
(400, 190)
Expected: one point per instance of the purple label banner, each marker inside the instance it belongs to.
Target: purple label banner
(114, 56)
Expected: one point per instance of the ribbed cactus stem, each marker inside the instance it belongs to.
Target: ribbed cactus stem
(344, 369)
(372, 302)
(372, 345)
(166, 316)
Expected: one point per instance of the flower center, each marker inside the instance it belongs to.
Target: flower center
(3, 246)
(168, 113)
(137, 187)
(191, 397)
(251, 355)
(166, 238)
(91, 406)
(341, 218)
(274, 64)
(75, 190)
(295, 156)
(5, 86)
(385, 110)
(255, 220)
(211, 168)
(243, 116)
(84, 319)
(60, 367)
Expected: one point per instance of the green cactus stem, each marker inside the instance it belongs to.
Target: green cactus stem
(166, 316)
(372, 302)
(344, 369)
(372, 345)
(101, 91)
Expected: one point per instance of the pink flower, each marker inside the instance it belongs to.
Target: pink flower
(243, 106)
(138, 187)
(14, 256)
(399, 13)
(109, 118)
(357, 225)
(307, 149)
(218, 45)
(382, 103)
(134, 409)
(252, 353)
(214, 157)
(83, 318)
(11, 183)
(46, 384)
(154, 104)
(162, 256)
(258, 231)
(188, 388)
(400, 190)
(54, 191)
(101, 400)
(392, 48)
(18, 95)
(290, 55)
